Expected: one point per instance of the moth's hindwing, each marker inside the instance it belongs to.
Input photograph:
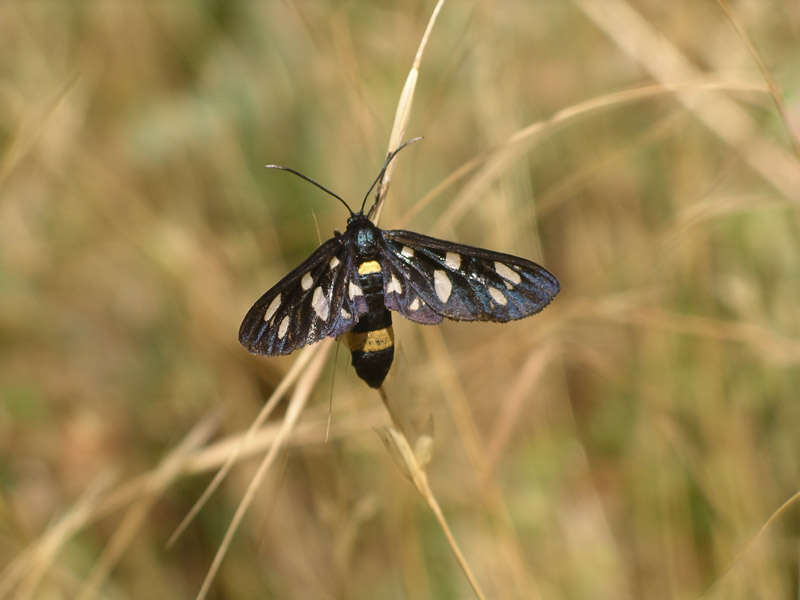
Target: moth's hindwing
(426, 279)
(310, 303)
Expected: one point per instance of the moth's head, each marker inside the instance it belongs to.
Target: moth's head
(366, 235)
(358, 220)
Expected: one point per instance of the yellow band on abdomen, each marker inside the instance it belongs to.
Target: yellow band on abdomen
(369, 266)
(371, 341)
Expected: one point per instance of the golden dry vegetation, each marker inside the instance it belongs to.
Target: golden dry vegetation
(630, 442)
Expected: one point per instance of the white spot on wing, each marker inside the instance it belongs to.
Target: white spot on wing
(452, 260)
(407, 252)
(333, 263)
(307, 281)
(394, 286)
(345, 314)
(414, 305)
(320, 304)
(353, 290)
(284, 327)
(498, 296)
(442, 285)
(507, 272)
(272, 308)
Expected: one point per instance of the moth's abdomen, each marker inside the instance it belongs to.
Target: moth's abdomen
(373, 365)
(371, 341)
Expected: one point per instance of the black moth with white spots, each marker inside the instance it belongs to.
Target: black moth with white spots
(350, 283)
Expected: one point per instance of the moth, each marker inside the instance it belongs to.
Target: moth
(352, 282)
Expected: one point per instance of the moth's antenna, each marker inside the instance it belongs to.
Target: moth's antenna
(379, 178)
(319, 185)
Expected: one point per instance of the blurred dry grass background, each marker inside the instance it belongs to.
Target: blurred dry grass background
(629, 442)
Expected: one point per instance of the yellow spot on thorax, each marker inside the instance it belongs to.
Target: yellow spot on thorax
(369, 266)
(371, 341)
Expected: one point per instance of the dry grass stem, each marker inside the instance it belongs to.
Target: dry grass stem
(722, 116)
(297, 370)
(516, 404)
(751, 544)
(29, 569)
(775, 91)
(497, 162)
(492, 498)
(308, 433)
(405, 457)
(26, 571)
(139, 510)
(403, 113)
(305, 386)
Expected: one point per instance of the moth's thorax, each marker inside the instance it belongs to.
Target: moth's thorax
(371, 340)
(365, 234)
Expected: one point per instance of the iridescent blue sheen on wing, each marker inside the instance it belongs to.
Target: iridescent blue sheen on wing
(440, 279)
(309, 304)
